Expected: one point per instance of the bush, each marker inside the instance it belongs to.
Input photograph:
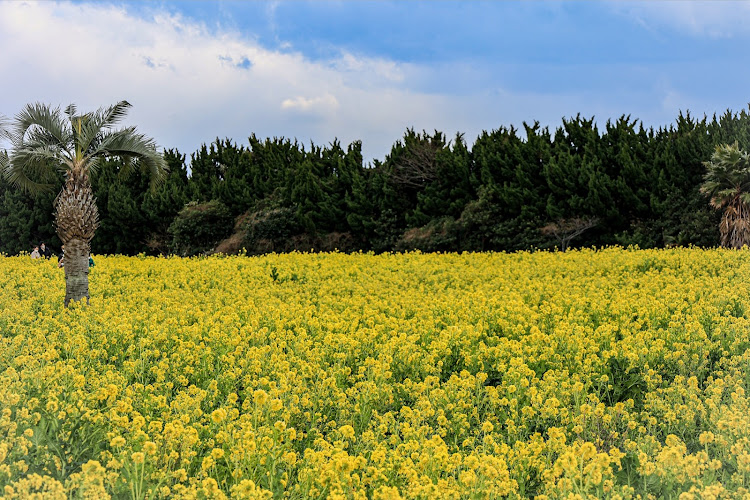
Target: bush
(437, 235)
(272, 230)
(199, 227)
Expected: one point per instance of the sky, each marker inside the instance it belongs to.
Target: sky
(316, 71)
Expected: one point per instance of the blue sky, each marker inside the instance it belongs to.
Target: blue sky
(358, 70)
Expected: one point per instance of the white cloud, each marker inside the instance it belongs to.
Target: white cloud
(324, 103)
(376, 71)
(189, 84)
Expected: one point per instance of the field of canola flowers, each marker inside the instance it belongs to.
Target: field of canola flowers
(587, 374)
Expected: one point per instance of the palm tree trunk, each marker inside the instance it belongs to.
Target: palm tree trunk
(76, 220)
(76, 271)
(735, 225)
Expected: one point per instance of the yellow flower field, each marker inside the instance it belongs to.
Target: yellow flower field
(587, 374)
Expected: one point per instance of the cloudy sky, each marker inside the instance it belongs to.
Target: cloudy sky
(360, 70)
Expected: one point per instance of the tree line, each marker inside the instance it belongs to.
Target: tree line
(578, 185)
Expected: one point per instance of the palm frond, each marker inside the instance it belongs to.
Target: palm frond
(40, 123)
(44, 140)
(127, 167)
(35, 152)
(127, 143)
(709, 187)
(94, 164)
(4, 129)
(4, 136)
(727, 174)
(113, 114)
(29, 169)
(155, 168)
(85, 132)
(4, 161)
(71, 111)
(98, 122)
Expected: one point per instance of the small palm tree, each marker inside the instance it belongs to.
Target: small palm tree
(4, 160)
(45, 142)
(727, 182)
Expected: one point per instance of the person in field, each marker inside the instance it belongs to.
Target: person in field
(45, 251)
(35, 253)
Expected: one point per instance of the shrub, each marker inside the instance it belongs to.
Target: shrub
(272, 230)
(437, 235)
(199, 227)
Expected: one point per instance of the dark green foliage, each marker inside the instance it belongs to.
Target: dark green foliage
(199, 227)
(451, 189)
(437, 235)
(640, 185)
(25, 220)
(272, 230)
(510, 206)
(162, 205)
(123, 226)
(360, 206)
(628, 382)
(135, 216)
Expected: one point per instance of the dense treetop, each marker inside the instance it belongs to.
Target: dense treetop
(580, 184)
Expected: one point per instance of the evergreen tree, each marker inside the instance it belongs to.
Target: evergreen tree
(234, 189)
(162, 205)
(25, 220)
(307, 194)
(681, 214)
(206, 173)
(362, 208)
(509, 208)
(272, 163)
(450, 190)
(122, 223)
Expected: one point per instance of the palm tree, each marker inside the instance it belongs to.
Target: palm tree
(45, 142)
(727, 182)
(4, 160)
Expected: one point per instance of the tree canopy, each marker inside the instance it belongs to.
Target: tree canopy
(503, 191)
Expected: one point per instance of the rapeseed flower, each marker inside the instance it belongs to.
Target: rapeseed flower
(606, 374)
